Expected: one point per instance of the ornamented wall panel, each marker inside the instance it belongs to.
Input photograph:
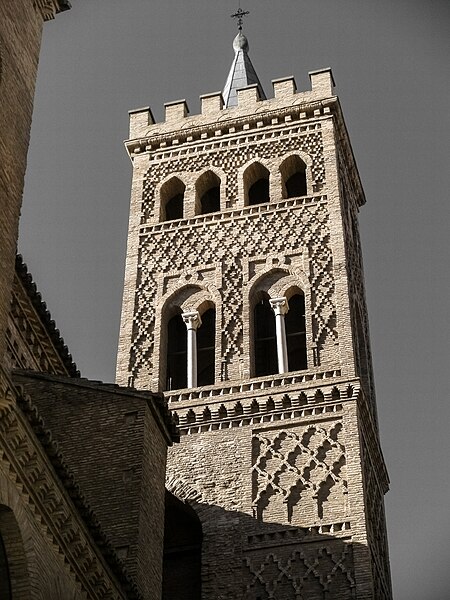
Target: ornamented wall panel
(299, 474)
(312, 571)
(231, 154)
(224, 244)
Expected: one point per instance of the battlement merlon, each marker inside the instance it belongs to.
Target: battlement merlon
(215, 120)
(142, 124)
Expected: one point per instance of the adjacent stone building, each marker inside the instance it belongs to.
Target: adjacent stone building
(82, 464)
(244, 303)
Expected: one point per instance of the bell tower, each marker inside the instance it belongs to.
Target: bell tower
(244, 303)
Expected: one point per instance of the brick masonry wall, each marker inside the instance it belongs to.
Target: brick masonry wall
(278, 491)
(117, 453)
(44, 573)
(276, 475)
(20, 37)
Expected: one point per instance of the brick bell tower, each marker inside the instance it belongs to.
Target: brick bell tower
(244, 303)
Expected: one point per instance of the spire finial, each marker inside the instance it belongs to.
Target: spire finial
(239, 15)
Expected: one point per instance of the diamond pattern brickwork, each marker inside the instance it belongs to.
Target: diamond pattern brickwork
(229, 156)
(314, 572)
(204, 243)
(299, 476)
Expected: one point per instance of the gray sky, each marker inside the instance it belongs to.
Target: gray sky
(390, 62)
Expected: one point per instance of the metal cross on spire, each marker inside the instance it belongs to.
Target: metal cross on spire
(239, 15)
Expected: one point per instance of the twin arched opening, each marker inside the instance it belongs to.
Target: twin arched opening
(172, 196)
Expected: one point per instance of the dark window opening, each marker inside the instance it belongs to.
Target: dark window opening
(266, 362)
(210, 201)
(293, 173)
(182, 551)
(176, 376)
(296, 185)
(258, 193)
(5, 582)
(174, 207)
(295, 324)
(205, 348)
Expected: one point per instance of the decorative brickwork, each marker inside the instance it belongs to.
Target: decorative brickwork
(284, 469)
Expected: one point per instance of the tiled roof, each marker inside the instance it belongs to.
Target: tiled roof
(45, 317)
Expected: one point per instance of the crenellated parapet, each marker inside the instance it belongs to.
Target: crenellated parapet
(247, 113)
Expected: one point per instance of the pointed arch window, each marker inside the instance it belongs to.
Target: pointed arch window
(293, 173)
(172, 199)
(208, 193)
(256, 184)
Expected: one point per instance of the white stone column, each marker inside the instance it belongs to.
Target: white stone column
(280, 307)
(193, 321)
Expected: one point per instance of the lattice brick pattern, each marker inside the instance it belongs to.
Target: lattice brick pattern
(230, 158)
(221, 243)
(305, 468)
(313, 573)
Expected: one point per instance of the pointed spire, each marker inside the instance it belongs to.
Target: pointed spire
(242, 72)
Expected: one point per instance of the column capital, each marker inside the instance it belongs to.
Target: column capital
(279, 305)
(192, 319)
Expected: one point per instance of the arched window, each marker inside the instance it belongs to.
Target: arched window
(172, 199)
(176, 374)
(256, 184)
(206, 334)
(295, 324)
(208, 193)
(293, 173)
(265, 343)
(5, 582)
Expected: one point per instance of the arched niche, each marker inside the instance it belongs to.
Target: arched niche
(207, 190)
(172, 199)
(256, 178)
(293, 177)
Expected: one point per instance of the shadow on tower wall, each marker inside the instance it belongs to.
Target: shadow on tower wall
(214, 554)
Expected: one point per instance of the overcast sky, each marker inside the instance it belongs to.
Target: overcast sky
(390, 60)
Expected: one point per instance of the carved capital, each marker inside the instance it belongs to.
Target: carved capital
(192, 319)
(279, 305)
